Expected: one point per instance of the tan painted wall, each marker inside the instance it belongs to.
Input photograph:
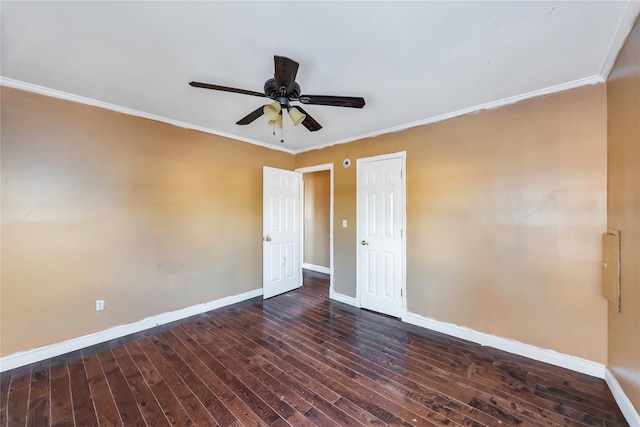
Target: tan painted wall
(623, 107)
(96, 204)
(505, 209)
(316, 217)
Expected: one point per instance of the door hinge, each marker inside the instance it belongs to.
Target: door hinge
(401, 294)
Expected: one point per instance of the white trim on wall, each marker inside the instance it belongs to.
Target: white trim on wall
(316, 268)
(626, 407)
(346, 299)
(5, 81)
(41, 353)
(617, 42)
(474, 109)
(41, 90)
(551, 357)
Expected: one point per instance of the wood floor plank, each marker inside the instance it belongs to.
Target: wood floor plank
(216, 358)
(519, 383)
(61, 404)
(383, 345)
(464, 419)
(352, 370)
(318, 418)
(358, 413)
(83, 410)
(147, 403)
(18, 397)
(297, 381)
(515, 385)
(294, 392)
(226, 388)
(194, 407)
(5, 382)
(453, 344)
(270, 362)
(171, 407)
(216, 408)
(373, 403)
(291, 392)
(105, 405)
(121, 390)
(267, 359)
(299, 359)
(378, 375)
(39, 396)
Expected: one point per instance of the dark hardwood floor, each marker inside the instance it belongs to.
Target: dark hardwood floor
(299, 359)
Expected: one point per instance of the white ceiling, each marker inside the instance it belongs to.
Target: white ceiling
(413, 62)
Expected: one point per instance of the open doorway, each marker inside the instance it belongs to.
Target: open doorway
(315, 213)
(317, 219)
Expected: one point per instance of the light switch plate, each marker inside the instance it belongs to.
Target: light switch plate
(344, 223)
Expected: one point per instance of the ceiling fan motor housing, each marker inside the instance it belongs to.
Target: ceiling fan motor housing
(274, 92)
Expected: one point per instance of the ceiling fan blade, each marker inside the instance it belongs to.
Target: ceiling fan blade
(286, 70)
(335, 101)
(309, 122)
(251, 116)
(226, 89)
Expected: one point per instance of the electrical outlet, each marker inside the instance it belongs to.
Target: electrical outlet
(99, 304)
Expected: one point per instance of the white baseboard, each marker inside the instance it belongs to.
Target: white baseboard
(551, 357)
(343, 298)
(27, 357)
(318, 268)
(626, 407)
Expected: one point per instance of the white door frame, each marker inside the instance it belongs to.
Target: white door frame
(324, 167)
(403, 156)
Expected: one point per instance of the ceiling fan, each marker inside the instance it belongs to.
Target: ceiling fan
(283, 89)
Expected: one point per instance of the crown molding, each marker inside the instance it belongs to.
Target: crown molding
(622, 32)
(41, 90)
(4, 81)
(487, 106)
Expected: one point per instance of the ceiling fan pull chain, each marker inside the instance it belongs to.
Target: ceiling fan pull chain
(282, 135)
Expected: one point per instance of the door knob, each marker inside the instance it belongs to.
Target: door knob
(267, 239)
(364, 242)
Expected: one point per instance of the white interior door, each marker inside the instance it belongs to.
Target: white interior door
(381, 209)
(281, 239)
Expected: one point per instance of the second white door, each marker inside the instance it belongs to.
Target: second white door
(381, 209)
(282, 268)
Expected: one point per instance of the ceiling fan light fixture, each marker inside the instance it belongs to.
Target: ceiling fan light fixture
(296, 116)
(272, 111)
(277, 122)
